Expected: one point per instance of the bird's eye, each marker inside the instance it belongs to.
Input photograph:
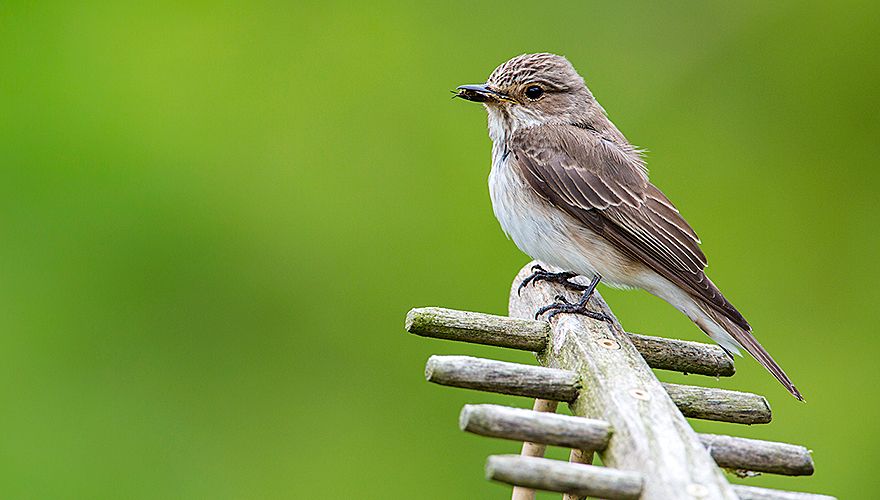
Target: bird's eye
(534, 92)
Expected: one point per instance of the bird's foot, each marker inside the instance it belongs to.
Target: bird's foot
(580, 307)
(541, 274)
(564, 306)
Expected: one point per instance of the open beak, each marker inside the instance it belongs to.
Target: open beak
(481, 93)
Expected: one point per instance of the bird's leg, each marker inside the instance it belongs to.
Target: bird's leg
(580, 307)
(541, 274)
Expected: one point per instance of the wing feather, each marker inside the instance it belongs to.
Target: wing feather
(603, 185)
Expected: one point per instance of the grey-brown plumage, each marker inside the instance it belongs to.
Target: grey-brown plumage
(571, 191)
(571, 168)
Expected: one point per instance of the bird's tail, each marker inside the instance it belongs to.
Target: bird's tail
(731, 336)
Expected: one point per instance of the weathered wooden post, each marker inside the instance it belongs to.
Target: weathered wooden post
(651, 437)
(621, 411)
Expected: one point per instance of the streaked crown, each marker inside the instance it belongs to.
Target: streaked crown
(549, 70)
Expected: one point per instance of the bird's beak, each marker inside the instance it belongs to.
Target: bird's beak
(481, 93)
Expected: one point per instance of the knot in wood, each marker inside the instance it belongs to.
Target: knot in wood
(639, 394)
(609, 344)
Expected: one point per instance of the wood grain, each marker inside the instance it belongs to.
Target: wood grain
(564, 477)
(651, 436)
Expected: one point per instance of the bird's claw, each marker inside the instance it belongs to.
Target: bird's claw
(564, 306)
(541, 274)
(530, 278)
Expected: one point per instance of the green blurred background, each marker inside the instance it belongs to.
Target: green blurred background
(216, 215)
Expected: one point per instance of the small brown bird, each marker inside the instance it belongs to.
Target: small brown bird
(573, 193)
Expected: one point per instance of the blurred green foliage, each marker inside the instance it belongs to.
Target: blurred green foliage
(216, 214)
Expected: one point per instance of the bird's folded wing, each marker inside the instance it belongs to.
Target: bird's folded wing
(603, 184)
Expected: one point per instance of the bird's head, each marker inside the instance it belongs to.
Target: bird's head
(533, 89)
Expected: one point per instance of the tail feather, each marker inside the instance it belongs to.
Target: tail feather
(745, 339)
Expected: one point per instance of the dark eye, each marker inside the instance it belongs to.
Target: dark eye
(534, 92)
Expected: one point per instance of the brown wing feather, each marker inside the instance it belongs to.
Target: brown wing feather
(603, 184)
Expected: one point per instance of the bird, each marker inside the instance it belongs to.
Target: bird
(572, 193)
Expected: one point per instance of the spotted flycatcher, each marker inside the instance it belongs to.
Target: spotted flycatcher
(573, 193)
